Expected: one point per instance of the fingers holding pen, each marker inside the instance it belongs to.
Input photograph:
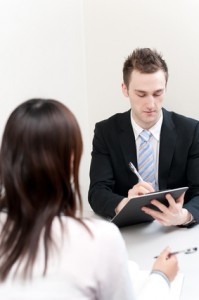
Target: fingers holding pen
(139, 189)
(167, 263)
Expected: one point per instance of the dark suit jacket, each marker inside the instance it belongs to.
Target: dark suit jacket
(114, 147)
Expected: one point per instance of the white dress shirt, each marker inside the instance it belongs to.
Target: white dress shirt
(155, 140)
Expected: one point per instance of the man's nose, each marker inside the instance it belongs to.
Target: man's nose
(150, 101)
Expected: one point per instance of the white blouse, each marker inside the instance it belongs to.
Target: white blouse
(81, 266)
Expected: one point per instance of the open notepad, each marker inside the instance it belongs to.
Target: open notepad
(139, 278)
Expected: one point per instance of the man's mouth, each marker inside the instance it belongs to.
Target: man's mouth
(149, 111)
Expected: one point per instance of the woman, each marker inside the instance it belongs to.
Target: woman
(46, 252)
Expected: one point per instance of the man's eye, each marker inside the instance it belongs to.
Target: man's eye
(141, 96)
(157, 94)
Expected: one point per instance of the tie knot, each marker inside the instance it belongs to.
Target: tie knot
(145, 135)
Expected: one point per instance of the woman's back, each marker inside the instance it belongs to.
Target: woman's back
(78, 265)
(45, 251)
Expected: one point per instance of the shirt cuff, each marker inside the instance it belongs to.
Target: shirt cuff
(192, 222)
(190, 219)
(161, 274)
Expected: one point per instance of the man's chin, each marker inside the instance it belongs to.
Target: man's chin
(149, 121)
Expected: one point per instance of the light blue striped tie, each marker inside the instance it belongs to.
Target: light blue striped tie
(146, 158)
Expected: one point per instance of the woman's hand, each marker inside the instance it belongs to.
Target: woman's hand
(166, 264)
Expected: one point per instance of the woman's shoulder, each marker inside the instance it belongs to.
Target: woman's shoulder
(91, 222)
(99, 224)
(98, 228)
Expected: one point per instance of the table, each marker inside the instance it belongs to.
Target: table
(144, 241)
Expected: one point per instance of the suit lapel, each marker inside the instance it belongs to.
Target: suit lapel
(168, 137)
(167, 146)
(127, 139)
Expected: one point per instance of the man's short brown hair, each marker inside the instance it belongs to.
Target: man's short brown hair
(143, 60)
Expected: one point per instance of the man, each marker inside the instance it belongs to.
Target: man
(174, 140)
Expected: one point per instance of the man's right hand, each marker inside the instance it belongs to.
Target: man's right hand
(141, 188)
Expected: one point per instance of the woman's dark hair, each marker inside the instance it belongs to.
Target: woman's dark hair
(39, 162)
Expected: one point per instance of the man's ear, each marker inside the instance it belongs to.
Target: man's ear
(125, 90)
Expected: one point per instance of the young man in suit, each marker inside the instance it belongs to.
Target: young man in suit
(174, 143)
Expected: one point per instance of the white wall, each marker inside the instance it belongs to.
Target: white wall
(73, 50)
(42, 55)
(114, 28)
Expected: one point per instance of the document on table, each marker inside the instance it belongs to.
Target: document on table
(139, 278)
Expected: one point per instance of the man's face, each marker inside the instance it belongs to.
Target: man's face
(146, 93)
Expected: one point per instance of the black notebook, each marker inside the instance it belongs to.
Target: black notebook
(132, 214)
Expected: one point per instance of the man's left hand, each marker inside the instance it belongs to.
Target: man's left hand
(174, 215)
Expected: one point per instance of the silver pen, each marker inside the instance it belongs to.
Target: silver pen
(135, 171)
(185, 251)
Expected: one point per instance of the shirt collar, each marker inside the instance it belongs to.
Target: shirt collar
(155, 130)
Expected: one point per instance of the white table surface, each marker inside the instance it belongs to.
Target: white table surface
(144, 241)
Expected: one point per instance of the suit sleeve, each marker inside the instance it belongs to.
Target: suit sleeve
(192, 196)
(101, 196)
